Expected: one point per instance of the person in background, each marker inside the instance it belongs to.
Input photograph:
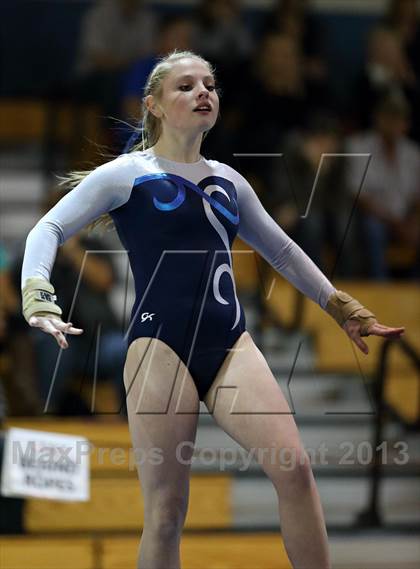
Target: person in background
(173, 33)
(17, 368)
(403, 18)
(387, 71)
(93, 309)
(114, 34)
(8, 303)
(276, 85)
(9, 299)
(292, 18)
(220, 32)
(221, 35)
(389, 200)
(307, 194)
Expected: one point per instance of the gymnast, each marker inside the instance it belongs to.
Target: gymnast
(177, 214)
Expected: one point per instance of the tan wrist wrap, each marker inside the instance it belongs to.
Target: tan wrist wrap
(341, 306)
(38, 298)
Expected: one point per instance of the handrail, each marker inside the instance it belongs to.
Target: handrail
(371, 516)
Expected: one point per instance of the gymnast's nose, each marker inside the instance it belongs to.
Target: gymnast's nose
(204, 93)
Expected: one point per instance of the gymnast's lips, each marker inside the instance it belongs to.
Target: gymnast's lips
(204, 107)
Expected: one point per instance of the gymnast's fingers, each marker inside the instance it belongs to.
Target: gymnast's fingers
(68, 327)
(43, 323)
(386, 331)
(50, 326)
(61, 340)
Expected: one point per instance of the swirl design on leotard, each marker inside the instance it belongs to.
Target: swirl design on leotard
(205, 189)
(181, 183)
(225, 267)
(178, 183)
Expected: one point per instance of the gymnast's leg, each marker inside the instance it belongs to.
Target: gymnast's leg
(156, 433)
(270, 428)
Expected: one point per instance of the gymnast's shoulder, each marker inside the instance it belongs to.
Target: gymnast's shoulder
(228, 172)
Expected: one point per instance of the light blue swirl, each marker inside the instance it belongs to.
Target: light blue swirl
(181, 183)
(164, 206)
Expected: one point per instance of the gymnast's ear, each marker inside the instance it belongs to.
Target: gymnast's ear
(153, 106)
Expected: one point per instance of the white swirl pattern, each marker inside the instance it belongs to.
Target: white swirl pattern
(224, 268)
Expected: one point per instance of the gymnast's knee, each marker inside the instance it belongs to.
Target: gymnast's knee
(167, 517)
(291, 471)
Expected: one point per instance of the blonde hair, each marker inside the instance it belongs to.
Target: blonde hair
(151, 128)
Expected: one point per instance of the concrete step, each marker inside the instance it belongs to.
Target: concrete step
(19, 157)
(255, 501)
(329, 447)
(21, 187)
(16, 226)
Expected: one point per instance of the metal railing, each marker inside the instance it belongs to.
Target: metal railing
(371, 515)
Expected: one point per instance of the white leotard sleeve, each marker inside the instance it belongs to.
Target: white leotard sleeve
(106, 188)
(259, 230)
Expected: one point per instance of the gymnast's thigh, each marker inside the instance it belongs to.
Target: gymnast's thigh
(248, 403)
(158, 385)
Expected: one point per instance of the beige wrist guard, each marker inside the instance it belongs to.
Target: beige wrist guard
(38, 299)
(341, 306)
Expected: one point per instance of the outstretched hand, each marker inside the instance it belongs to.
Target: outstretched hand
(56, 327)
(352, 328)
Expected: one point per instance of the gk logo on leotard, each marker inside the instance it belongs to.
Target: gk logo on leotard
(147, 316)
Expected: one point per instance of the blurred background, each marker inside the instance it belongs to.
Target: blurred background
(320, 110)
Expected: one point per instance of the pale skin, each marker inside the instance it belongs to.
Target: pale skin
(152, 368)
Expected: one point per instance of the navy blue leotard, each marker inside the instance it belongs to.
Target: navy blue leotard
(179, 236)
(177, 222)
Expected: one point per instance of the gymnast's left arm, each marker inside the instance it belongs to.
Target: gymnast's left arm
(259, 229)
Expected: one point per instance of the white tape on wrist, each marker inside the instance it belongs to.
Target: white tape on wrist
(38, 299)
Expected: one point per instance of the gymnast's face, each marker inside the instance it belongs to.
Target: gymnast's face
(188, 100)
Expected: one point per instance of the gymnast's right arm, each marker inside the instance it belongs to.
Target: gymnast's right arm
(104, 189)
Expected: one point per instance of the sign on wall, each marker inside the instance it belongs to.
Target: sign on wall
(45, 465)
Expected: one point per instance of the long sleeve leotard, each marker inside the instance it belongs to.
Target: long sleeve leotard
(177, 222)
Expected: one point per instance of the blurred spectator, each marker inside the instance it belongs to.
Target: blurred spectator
(307, 195)
(92, 311)
(114, 34)
(9, 300)
(292, 18)
(387, 71)
(174, 33)
(273, 102)
(17, 369)
(403, 19)
(390, 197)
(3, 404)
(221, 36)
